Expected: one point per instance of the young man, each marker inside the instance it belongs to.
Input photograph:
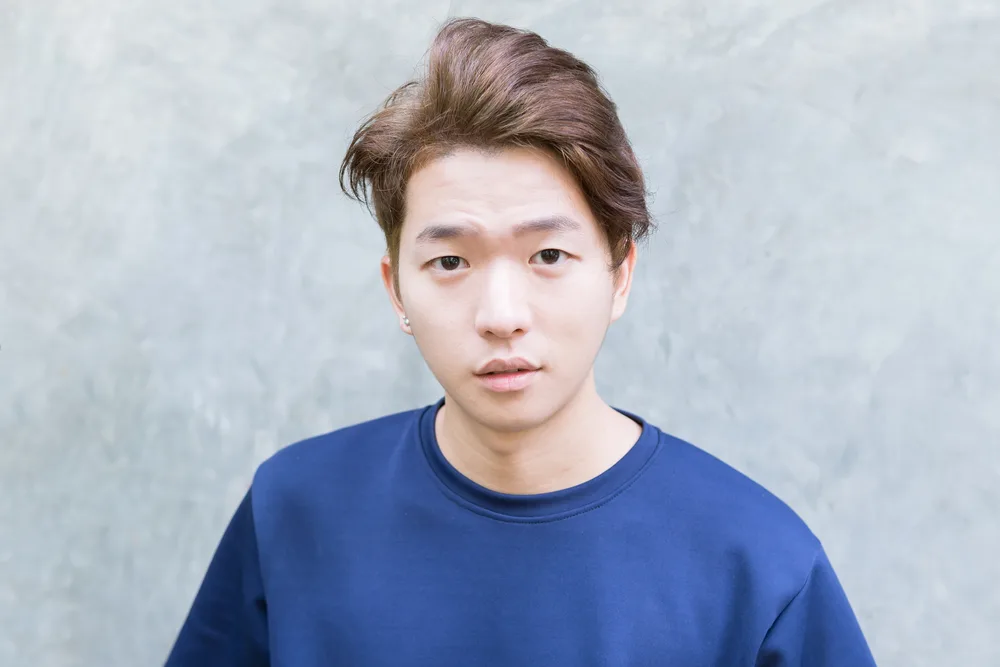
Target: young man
(520, 520)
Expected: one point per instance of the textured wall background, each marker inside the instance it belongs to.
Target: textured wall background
(183, 290)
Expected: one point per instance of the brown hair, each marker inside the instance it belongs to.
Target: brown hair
(492, 86)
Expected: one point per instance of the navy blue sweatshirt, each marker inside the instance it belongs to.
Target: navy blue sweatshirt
(364, 547)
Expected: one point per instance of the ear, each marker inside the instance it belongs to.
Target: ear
(623, 283)
(389, 281)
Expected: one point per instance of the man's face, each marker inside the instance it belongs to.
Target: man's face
(501, 260)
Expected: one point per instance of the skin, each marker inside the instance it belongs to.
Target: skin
(481, 287)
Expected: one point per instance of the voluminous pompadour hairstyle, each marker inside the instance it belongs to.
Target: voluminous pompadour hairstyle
(488, 86)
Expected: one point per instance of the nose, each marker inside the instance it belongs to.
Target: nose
(503, 309)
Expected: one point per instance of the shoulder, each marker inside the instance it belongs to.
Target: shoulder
(336, 458)
(728, 512)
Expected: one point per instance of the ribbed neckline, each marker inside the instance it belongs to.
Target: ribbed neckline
(543, 506)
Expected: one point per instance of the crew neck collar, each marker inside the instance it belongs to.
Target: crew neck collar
(543, 506)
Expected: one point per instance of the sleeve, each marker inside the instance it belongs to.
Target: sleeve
(227, 623)
(817, 628)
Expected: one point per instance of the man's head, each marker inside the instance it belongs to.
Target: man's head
(511, 203)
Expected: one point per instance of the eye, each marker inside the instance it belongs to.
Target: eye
(448, 263)
(550, 256)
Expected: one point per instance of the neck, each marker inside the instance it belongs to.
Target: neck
(578, 443)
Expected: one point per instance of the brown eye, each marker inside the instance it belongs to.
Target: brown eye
(450, 262)
(550, 256)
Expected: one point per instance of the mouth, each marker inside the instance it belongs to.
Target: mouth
(511, 372)
(507, 366)
(507, 375)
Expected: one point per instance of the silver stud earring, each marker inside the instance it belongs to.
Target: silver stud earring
(406, 321)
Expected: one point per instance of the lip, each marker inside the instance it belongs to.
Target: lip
(507, 375)
(505, 365)
(508, 381)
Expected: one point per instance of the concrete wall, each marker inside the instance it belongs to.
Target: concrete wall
(183, 290)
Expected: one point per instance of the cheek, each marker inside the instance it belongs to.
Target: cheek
(441, 352)
(588, 293)
(441, 331)
(582, 312)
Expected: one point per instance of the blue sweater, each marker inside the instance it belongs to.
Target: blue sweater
(366, 547)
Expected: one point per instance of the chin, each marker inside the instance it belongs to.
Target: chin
(507, 412)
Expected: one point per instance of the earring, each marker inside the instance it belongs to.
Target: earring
(406, 321)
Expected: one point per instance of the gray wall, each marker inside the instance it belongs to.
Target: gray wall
(183, 290)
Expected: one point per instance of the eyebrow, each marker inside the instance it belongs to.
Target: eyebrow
(552, 223)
